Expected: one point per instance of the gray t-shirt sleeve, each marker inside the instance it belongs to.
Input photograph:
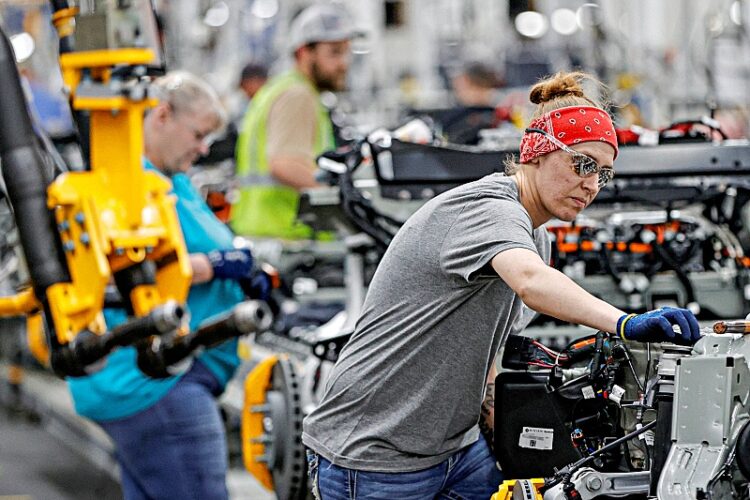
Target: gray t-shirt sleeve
(482, 229)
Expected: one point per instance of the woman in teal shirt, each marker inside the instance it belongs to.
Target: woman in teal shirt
(168, 433)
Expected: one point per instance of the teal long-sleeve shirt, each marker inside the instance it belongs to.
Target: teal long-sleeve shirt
(119, 389)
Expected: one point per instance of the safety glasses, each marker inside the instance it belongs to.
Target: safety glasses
(583, 165)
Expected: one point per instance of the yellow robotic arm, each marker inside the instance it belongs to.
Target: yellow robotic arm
(83, 229)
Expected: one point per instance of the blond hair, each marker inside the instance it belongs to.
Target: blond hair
(185, 92)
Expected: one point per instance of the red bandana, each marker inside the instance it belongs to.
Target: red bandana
(570, 125)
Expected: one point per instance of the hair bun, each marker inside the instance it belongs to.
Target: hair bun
(559, 85)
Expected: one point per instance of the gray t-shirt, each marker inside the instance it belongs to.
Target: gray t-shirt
(407, 389)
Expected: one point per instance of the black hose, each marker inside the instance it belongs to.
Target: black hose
(67, 41)
(26, 182)
(666, 256)
(606, 261)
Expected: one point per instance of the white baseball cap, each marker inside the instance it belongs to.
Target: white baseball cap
(322, 23)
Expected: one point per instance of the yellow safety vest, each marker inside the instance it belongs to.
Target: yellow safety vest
(267, 208)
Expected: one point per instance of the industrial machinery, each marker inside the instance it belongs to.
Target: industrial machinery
(626, 420)
(281, 389)
(670, 230)
(113, 222)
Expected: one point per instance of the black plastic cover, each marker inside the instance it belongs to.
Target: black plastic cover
(422, 171)
(524, 407)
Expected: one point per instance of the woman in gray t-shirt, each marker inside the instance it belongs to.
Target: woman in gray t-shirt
(399, 416)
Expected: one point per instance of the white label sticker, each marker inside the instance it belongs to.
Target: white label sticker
(536, 438)
(588, 392)
(648, 437)
(616, 393)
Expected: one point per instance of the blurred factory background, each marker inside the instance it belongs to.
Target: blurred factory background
(665, 63)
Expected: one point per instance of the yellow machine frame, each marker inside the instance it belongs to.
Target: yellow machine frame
(257, 383)
(114, 216)
(517, 489)
(117, 214)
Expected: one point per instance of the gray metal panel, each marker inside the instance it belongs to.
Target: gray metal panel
(687, 468)
(710, 408)
(91, 32)
(703, 400)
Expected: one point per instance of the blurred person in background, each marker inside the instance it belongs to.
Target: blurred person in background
(252, 77)
(287, 126)
(476, 85)
(475, 89)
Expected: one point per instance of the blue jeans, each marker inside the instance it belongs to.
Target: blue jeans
(176, 448)
(468, 474)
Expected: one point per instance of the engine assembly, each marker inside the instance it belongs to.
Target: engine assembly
(626, 420)
(641, 260)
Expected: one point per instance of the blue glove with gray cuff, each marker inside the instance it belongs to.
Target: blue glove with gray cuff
(658, 326)
(234, 264)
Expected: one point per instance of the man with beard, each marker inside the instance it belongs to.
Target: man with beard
(286, 127)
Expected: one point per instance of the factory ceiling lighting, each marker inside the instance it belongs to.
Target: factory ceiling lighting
(531, 24)
(23, 46)
(735, 13)
(217, 15)
(265, 9)
(564, 21)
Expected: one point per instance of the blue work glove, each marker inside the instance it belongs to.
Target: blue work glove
(656, 326)
(261, 286)
(235, 264)
(258, 286)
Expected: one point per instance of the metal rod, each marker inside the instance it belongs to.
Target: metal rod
(732, 327)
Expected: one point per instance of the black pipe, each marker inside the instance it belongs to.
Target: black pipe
(26, 182)
(157, 358)
(67, 41)
(77, 357)
(81, 118)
